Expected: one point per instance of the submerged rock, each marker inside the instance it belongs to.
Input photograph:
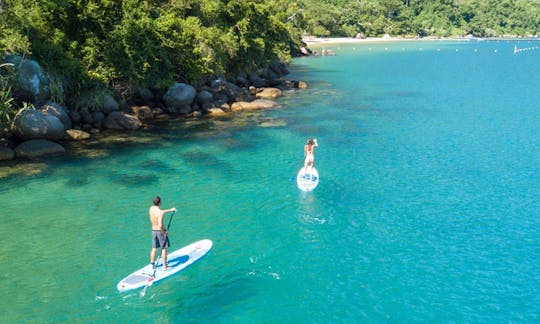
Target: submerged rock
(273, 123)
(37, 148)
(23, 169)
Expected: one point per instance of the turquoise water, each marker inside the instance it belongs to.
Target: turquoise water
(427, 208)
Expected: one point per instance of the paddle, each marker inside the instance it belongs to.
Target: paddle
(151, 279)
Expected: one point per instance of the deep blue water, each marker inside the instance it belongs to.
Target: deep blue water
(427, 208)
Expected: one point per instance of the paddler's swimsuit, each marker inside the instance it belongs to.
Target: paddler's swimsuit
(160, 240)
(310, 157)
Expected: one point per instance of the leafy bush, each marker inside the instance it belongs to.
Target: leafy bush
(7, 111)
(7, 103)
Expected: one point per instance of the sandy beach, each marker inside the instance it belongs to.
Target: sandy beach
(311, 40)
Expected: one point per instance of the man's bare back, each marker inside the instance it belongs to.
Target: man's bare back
(156, 218)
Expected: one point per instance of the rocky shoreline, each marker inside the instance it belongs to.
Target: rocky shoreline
(51, 129)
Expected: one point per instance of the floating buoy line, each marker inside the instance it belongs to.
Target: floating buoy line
(420, 49)
(517, 50)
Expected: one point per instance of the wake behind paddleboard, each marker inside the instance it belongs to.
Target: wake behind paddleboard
(307, 179)
(177, 261)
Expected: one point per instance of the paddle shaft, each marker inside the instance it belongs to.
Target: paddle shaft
(170, 221)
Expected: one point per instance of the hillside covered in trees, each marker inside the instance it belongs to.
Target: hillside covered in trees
(481, 18)
(91, 46)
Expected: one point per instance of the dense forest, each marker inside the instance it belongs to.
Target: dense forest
(93, 46)
(481, 18)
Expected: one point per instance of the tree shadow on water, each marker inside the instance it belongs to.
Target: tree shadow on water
(157, 166)
(78, 180)
(230, 292)
(133, 180)
(207, 160)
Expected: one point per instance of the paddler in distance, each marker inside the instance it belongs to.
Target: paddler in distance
(309, 154)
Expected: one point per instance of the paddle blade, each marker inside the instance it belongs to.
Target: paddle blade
(149, 283)
(143, 291)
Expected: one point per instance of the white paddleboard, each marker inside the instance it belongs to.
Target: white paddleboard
(308, 179)
(177, 261)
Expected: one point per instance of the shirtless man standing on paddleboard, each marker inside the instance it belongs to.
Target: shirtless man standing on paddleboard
(159, 233)
(309, 154)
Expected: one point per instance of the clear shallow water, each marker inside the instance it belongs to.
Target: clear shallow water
(427, 208)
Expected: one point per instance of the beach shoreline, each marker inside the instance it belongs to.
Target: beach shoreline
(312, 40)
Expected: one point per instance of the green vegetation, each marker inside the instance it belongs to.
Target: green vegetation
(7, 107)
(95, 46)
(481, 18)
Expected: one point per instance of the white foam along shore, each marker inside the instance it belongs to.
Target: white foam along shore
(311, 40)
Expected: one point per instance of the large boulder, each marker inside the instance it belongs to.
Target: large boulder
(228, 91)
(119, 120)
(268, 93)
(179, 97)
(253, 105)
(204, 97)
(75, 117)
(37, 148)
(255, 80)
(269, 74)
(143, 95)
(97, 119)
(33, 124)
(54, 109)
(109, 105)
(86, 117)
(218, 83)
(236, 93)
(32, 84)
